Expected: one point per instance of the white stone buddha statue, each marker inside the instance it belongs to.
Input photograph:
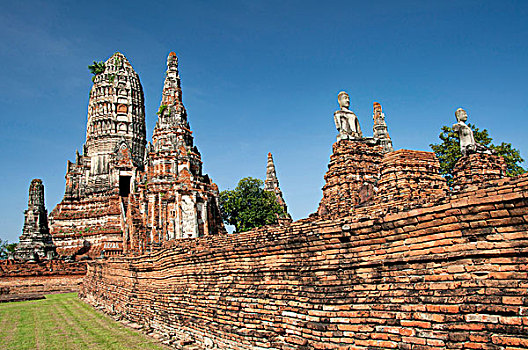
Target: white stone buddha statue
(345, 120)
(468, 144)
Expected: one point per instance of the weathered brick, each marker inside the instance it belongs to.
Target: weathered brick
(406, 280)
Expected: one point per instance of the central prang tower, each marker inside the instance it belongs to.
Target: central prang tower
(116, 120)
(91, 217)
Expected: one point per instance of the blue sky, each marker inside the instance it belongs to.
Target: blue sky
(258, 77)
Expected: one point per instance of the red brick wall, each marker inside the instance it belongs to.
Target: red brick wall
(352, 175)
(40, 278)
(451, 275)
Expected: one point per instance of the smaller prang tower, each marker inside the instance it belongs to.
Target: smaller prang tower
(381, 132)
(272, 184)
(182, 201)
(35, 241)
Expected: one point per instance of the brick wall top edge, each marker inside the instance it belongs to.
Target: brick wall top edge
(13, 268)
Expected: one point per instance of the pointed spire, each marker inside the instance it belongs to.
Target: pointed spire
(380, 128)
(35, 241)
(171, 111)
(172, 94)
(272, 183)
(172, 128)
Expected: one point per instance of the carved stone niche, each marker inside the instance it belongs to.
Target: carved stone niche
(122, 108)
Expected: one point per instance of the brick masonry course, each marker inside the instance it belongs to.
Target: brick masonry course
(20, 279)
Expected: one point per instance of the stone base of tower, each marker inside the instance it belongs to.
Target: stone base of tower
(165, 211)
(409, 177)
(351, 178)
(473, 170)
(89, 226)
(35, 248)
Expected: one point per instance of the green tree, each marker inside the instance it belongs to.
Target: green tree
(249, 205)
(448, 151)
(6, 248)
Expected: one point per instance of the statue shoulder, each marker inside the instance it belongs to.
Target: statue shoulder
(344, 112)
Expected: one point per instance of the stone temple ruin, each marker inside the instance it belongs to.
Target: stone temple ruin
(393, 257)
(123, 195)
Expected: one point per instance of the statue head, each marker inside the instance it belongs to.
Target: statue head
(461, 115)
(343, 99)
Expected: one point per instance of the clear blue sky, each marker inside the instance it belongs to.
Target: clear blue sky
(258, 77)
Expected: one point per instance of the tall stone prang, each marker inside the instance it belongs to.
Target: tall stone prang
(381, 132)
(35, 241)
(91, 217)
(177, 199)
(116, 120)
(271, 184)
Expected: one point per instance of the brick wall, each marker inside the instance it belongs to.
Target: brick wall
(363, 180)
(47, 277)
(448, 275)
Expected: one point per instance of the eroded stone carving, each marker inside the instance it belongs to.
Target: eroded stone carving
(468, 144)
(346, 121)
(189, 217)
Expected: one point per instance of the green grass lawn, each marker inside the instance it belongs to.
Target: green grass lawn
(62, 321)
